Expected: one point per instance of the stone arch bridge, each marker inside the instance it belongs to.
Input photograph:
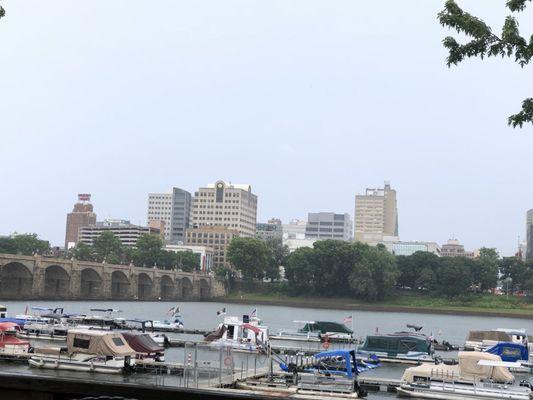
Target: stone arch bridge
(38, 277)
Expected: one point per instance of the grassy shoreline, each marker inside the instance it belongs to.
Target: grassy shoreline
(480, 305)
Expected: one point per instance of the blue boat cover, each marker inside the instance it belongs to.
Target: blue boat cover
(510, 351)
(18, 321)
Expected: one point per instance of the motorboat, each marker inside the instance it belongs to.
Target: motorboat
(87, 350)
(476, 376)
(248, 336)
(483, 339)
(327, 374)
(513, 352)
(331, 362)
(144, 346)
(105, 321)
(169, 325)
(401, 347)
(10, 345)
(53, 326)
(316, 331)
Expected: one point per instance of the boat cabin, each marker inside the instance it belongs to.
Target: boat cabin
(325, 328)
(9, 343)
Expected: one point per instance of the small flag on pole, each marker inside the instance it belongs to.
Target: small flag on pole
(347, 320)
(221, 312)
(253, 313)
(171, 310)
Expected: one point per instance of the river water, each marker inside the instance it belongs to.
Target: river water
(202, 316)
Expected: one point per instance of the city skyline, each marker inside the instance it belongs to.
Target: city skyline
(301, 100)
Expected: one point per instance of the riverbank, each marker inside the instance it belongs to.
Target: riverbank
(476, 305)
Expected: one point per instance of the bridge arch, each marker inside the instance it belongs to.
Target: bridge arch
(91, 284)
(168, 288)
(205, 289)
(56, 282)
(145, 286)
(120, 285)
(187, 290)
(15, 280)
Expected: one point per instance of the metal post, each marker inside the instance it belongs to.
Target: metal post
(185, 365)
(196, 364)
(220, 367)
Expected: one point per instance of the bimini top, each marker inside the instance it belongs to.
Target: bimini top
(9, 327)
(468, 369)
(510, 351)
(142, 343)
(98, 343)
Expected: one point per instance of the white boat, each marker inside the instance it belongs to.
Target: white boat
(476, 376)
(244, 336)
(399, 347)
(87, 350)
(105, 321)
(174, 324)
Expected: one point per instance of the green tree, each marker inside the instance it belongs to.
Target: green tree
(29, 243)
(251, 256)
(453, 277)
(7, 245)
(82, 252)
(107, 247)
(482, 42)
(300, 271)
(187, 261)
(148, 251)
(514, 268)
(2, 12)
(485, 269)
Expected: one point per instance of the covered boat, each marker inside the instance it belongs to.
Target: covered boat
(483, 339)
(477, 376)
(144, 345)
(87, 350)
(405, 347)
(316, 331)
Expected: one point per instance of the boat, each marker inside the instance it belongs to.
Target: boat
(144, 346)
(10, 345)
(316, 331)
(483, 339)
(327, 361)
(107, 321)
(513, 352)
(402, 347)
(89, 351)
(476, 376)
(248, 336)
(52, 326)
(327, 374)
(169, 325)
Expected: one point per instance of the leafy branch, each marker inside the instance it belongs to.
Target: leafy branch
(484, 43)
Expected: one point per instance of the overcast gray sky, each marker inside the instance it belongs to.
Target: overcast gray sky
(308, 101)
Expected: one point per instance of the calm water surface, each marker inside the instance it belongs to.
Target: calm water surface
(202, 315)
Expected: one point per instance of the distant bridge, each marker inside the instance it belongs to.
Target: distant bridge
(39, 277)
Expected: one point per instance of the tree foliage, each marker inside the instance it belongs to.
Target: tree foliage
(482, 42)
(26, 244)
(337, 268)
(251, 256)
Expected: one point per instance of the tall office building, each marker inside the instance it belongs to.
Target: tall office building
(225, 204)
(376, 215)
(529, 235)
(173, 208)
(82, 215)
(328, 225)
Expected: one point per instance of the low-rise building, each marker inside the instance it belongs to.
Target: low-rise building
(272, 230)
(206, 254)
(453, 248)
(409, 248)
(124, 230)
(294, 244)
(216, 237)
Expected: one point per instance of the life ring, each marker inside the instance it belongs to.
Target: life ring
(228, 361)
(325, 345)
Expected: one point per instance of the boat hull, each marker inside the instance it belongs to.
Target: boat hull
(74, 365)
(451, 391)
